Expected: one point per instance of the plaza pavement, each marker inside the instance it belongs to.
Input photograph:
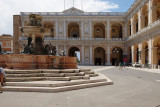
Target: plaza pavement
(133, 87)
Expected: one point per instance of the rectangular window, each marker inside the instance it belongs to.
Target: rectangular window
(7, 43)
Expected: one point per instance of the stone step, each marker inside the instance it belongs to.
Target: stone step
(93, 75)
(36, 75)
(84, 70)
(53, 89)
(20, 79)
(89, 72)
(51, 83)
(46, 74)
(73, 74)
(11, 71)
(79, 77)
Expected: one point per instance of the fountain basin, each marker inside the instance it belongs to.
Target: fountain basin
(20, 61)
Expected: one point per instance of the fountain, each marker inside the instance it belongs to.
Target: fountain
(35, 54)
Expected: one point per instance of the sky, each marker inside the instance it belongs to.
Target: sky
(8, 8)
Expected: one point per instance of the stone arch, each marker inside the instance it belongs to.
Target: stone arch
(99, 30)
(72, 51)
(116, 30)
(73, 30)
(99, 56)
(135, 23)
(156, 51)
(144, 16)
(136, 53)
(117, 55)
(144, 53)
(155, 10)
(128, 28)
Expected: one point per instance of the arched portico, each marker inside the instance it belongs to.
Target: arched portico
(116, 30)
(99, 30)
(73, 30)
(144, 53)
(99, 56)
(117, 56)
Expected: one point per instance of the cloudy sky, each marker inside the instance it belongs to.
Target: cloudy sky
(8, 8)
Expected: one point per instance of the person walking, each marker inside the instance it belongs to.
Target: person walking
(2, 76)
(120, 66)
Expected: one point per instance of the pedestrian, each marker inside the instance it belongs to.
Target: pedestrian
(2, 76)
(120, 66)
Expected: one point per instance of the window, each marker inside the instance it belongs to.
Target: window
(7, 43)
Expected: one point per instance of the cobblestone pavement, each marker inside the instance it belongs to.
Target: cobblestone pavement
(132, 88)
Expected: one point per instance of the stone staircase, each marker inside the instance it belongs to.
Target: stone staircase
(47, 80)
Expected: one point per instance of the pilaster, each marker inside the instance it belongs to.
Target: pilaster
(108, 29)
(65, 29)
(108, 56)
(132, 48)
(91, 62)
(90, 24)
(82, 33)
(150, 51)
(56, 29)
(82, 54)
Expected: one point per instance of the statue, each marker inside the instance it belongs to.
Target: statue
(35, 20)
(62, 53)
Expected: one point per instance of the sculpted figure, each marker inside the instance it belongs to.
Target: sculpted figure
(35, 20)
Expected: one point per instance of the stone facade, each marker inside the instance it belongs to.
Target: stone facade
(102, 38)
(6, 42)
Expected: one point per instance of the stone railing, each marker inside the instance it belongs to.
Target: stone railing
(148, 28)
(78, 14)
(86, 39)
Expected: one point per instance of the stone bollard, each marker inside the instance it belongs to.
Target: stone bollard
(158, 66)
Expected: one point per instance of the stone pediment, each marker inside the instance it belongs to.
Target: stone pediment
(73, 11)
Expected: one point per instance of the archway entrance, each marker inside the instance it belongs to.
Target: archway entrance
(117, 56)
(99, 56)
(73, 30)
(73, 51)
(156, 51)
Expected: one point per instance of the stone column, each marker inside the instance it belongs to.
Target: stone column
(91, 62)
(150, 51)
(108, 29)
(82, 33)
(108, 56)
(125, 30)
(140, 50)
(56, 29)
(82, 54)
(149, 12)
(64, 30)
(90, 24)
(132, 26)
(132, 48)
(139, 20)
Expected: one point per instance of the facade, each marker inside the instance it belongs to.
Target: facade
(6, 42)
(102, 38)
